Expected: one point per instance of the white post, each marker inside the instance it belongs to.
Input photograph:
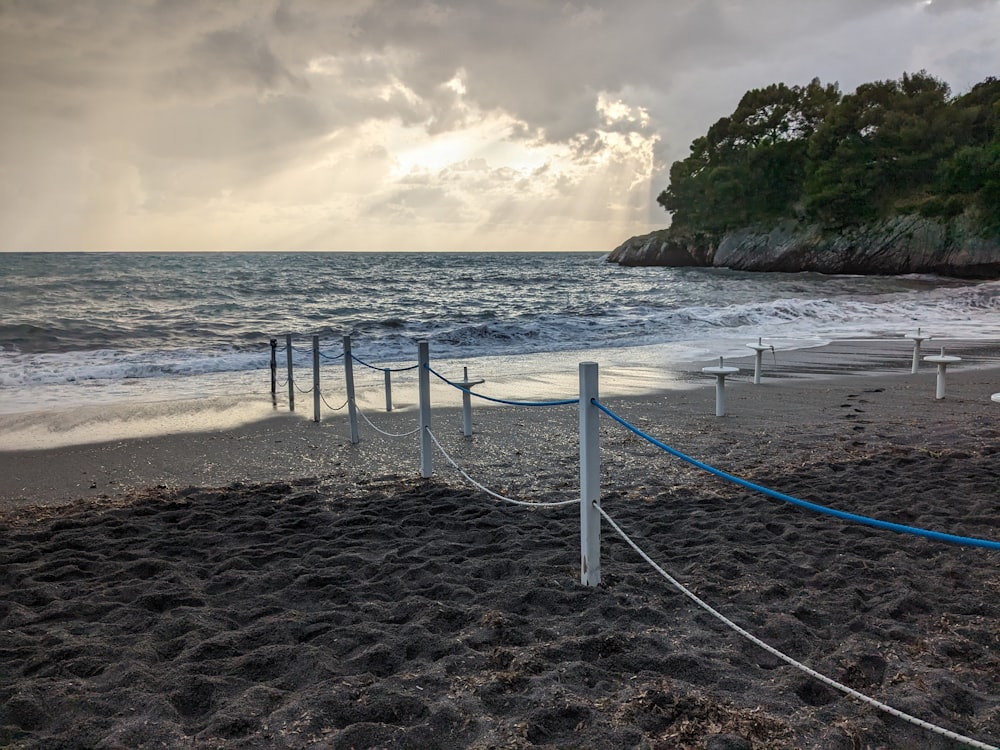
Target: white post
(466, 406)
(424, 388)
(274, 371)
(388, 389)
(590, 477)
(939, 390)
(316, 394)
(291, 382)
(352, 407)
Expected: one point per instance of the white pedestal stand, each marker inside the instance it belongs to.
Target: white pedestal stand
(942, 361)
(917, 338)
(759, 350)
(720, 372)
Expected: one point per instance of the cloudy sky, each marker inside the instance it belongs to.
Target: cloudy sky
(403, 124)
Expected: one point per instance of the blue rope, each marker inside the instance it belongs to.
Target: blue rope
(327, 356)
(383, 369)
(500, 400)
(936, 535)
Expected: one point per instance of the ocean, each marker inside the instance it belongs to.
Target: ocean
(92, 331)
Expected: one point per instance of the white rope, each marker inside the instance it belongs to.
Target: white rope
(383, 432)
(490, 492)
(789, 660)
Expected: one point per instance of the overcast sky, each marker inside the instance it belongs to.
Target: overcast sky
(407, 125)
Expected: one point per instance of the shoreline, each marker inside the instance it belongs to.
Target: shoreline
(795, 391)
(627, 371)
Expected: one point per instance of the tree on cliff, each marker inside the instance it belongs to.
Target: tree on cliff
(750, 166)
(811, 153)
(879, 145)
(971, 175)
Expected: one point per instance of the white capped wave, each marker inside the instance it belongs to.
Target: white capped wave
(18, 369)
(972, 312)
(188, 332)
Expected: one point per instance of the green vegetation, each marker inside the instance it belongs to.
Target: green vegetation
(810, 153)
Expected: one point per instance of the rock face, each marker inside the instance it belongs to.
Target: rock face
(903, 244)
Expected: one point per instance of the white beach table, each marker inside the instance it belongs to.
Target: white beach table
(942, 361)
(759, 350)
(917, 337)
(720, 371)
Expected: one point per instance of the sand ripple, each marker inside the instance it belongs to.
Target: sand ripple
(417, 614)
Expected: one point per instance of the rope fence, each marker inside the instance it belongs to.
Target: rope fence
(323, 354)
(865, 520)
(488, 491)
(319, 397)
(349, 358)
(851, 692)
(591, 410)
(589, 456)
(465, 389)
(382, 369)
(371, 424)
(332, 408)
(300, 389)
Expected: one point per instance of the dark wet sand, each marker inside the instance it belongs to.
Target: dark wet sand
(283, 588)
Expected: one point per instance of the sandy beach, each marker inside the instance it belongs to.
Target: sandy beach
(273, 585)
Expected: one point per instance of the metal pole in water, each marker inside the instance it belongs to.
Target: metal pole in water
(590, 477)
(424, 388)
(352, 407)
(388, 389)
(291, 376)
(274, 371)
(316, 394)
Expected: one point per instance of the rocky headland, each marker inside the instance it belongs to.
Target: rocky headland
(898, 245)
